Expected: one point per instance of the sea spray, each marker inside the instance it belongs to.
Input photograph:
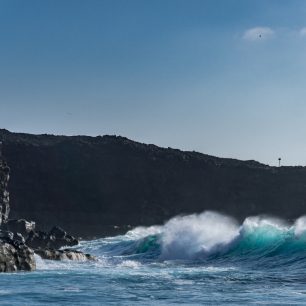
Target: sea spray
(300, 226)
(190, 236)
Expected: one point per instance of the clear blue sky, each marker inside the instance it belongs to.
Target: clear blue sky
(223, 77)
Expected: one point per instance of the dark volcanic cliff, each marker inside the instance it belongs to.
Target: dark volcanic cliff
(93, 185)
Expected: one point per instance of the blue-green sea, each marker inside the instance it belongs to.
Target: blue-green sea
(205, 259)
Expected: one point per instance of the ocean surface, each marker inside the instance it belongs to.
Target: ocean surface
(194, 260)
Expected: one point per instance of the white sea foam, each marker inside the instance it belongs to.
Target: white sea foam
(129, 264)
(300, 226)
(185, 237)
(40, 263)
(45, 264)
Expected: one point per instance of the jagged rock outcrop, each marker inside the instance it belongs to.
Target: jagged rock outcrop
(21, 226)
(54, 239)
(95, 186)
(4, 194)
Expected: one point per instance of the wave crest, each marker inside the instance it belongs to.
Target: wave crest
(210, 234)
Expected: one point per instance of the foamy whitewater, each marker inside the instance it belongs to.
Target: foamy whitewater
(197, 259)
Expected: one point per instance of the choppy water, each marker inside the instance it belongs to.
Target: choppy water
(197, 259)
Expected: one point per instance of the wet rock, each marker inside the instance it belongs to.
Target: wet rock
(68, 240)
(66, 254)
(18, 237)
(6, 234)
(37, 239)
(15, 256)
(58, 232)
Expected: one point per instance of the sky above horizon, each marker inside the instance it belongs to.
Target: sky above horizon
(222, 77)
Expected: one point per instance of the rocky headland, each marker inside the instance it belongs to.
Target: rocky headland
(97, 186)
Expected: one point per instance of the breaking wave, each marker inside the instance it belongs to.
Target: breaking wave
(210, 236)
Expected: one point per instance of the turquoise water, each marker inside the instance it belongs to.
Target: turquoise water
(193, 260)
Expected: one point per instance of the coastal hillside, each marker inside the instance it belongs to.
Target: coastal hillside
(96, 186)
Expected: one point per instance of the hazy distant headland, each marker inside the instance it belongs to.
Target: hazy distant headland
(95, 186)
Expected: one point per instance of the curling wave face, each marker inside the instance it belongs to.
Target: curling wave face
(210, 237)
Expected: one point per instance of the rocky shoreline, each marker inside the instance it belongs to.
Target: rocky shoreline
(20, 240)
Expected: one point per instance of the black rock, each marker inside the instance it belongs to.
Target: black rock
(54, 239)
(21, 226)
(37, 239)
(15, 256)
(6, 234)
(18, 237)
(58, 232)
